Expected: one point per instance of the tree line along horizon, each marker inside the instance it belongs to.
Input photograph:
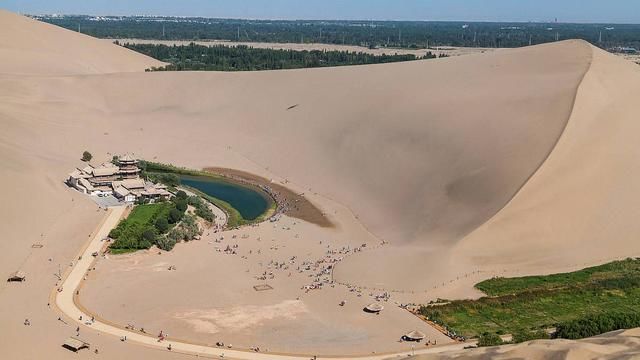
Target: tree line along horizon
(195, 57)
(395, 34)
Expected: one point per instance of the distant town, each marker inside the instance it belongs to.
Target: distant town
(364, 33)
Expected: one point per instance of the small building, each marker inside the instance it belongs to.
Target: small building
(139, 188)
(17, 276)
(154, 191)
(74, 344)
(122, 194)
(415, 335)
(75, 177)
(374, 308)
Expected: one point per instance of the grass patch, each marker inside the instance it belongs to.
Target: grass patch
(121, 251)
(128, 234)
(528, 304)
(508, 286)
(148, 224)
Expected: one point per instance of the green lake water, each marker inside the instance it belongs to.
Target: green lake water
(249, 202)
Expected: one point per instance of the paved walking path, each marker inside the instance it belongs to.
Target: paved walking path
(65, 302)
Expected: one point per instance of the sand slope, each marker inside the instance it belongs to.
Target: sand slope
(586, 194)
(32, 47)
(614, 345)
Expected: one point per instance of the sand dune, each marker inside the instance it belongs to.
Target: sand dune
(518, 161)
(615, 345)
(32, 47)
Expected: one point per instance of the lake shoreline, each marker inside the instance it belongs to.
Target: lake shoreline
(287, 201)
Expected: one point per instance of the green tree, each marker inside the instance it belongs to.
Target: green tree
(166, 243)
(86, 156)
(162, 224)
(525, 335)
(181, 204)
(115, 233)
(175, 215)
(169, 179)
(181, 195)
(489, 339)
(149, 234)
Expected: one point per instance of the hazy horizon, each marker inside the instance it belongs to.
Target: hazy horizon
(569, 11)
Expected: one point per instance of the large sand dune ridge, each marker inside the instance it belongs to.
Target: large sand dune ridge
(32, 47)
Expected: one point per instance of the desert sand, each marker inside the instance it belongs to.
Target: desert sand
(624, 344)
(449, 170)
(29, 47)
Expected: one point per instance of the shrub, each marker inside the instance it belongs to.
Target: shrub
(489, 339)
(592, 325)
(162, 224)
(176, 234)
(115, 233)
(525, 335)
(166, 243)
(167, 179)
(86, 156)
(175, 215)
(202, 209)
(190, 227)
(149, 235)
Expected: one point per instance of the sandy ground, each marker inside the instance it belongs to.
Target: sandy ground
(26, 44)
(227, 308)
(631, 57)
(468, 167)
(450, 51)
(616, 345)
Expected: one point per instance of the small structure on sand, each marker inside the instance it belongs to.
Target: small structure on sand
(17, 276)
(415, 335)
(374, 308)
(74, 344)
(262, 287)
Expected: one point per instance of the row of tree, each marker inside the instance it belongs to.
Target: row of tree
(586, 326)
(245, 58)
(596, 324)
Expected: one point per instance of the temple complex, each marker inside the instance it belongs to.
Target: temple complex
(120, 179)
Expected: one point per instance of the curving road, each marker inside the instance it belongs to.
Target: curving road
(64, 299)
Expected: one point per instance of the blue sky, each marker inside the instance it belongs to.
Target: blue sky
(606, 11)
